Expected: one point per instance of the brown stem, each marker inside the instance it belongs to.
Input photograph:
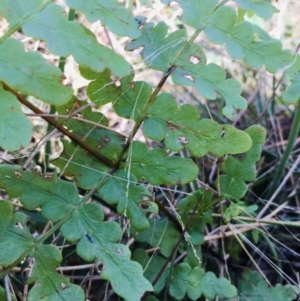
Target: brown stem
(138, 123)
(62, 129)
(168, 214)
(174, 250)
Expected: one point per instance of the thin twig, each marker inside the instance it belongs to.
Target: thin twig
(62, 129)
(7, 290)
(270, 201)
(174, 250)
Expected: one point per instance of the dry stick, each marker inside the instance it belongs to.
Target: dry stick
(62, 129)
(7, 290)
(68, 268)
(39, 146)
(171, 217)
(249, 255)
(268, 102)
(266, 220)
(270, 201)
(77, 118)
(169, 258)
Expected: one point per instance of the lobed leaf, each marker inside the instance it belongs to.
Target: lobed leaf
(15, 236)
(213, 286)
(48, 22)
(15, 128)
(292, 93)
(182, 127)
(161, 234)
(16, 241)
(196, 12)
(50, 285)
(152, 270)
(112, 14)
(91, 127)
(232, 211)
(220, 25)
(129, 99)
(55, 198)
(254, 288)
(158, 168)
(238, 171)
(262, 8)
(97, 243)
(196, 283)
(76, 162)
(29, 73)
(133, 200)
(96, 238)
(178, 281)
(162, 52)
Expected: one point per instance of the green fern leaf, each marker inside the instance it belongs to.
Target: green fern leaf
(158, 168)
(15, 128)
(182, 127)
(162, 52)
(262, 8)
(63, 37)
(15, 236)
(131, 199)
(48, 284)
(76, 162)
(161, 234)
(16, 241)
(121, 21)
(97, 243)
(196, 283)
(238, 171)
(59, 199)
(253, 287)
(56, 198)
(220, 26)
(29, 73)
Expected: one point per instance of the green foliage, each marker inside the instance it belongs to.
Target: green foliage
(83, 223)
(232, 211)
(238, 171)
(254, 288)
(158, 168)
(132, 199)
(195, 282)
(63, 37)
(36, 77)
(182, 127)
(220, 25)
(190, 63)
(3, 295)
(262, 8)
(48, 283)
(153, 235)
(292, 93)
(18, 131)
(122, 168)
(121, 21)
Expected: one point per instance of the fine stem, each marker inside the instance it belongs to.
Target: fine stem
(289, 147)
(62, 129)
(174, 250)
